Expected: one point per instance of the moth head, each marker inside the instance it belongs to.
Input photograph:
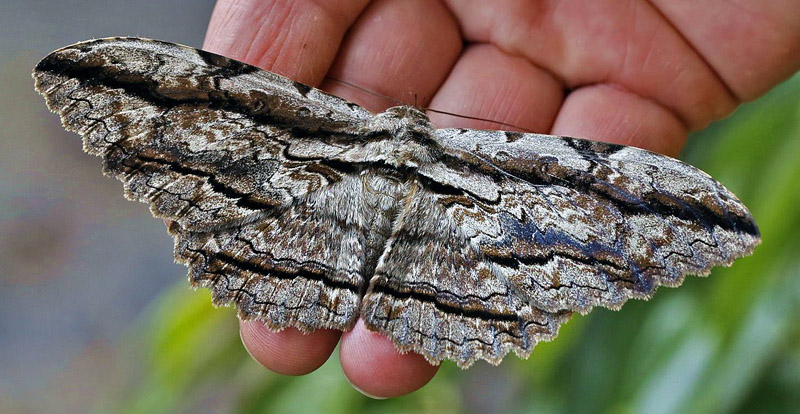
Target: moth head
(398, 119)
(412, 135)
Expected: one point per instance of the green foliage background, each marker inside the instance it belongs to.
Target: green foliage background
(728, 343)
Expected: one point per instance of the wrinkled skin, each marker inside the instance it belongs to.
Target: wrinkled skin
(643, 73)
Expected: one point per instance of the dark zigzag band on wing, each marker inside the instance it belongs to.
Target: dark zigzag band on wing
(635, 234)
(543, 170)
(237, 155)
(207, 90)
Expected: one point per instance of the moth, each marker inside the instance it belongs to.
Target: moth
(305, 210)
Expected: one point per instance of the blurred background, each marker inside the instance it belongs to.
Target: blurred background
(94, 316)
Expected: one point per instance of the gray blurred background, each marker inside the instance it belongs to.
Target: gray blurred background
(78, 263)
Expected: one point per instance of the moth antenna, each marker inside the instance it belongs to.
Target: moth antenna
(478, 119)
(363, 89)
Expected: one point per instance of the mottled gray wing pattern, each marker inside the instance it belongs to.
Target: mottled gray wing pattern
(306, 210)
(225, 151)
(529, 228)
(434, 292)
(204, 139)
(303, 267)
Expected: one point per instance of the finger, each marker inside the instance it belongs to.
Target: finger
(586, 42)
(752, 45)
(288, 352)
(398, 48)
(295, 38)
(491, 84)
(374, 367)
(611, 114)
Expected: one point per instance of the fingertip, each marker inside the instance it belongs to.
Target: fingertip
(297, 39)
(290, 351)
(609, 113)
(374, 367)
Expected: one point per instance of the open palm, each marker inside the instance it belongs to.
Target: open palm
(633, 72)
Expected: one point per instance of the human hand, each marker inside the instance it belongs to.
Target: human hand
(641, 73)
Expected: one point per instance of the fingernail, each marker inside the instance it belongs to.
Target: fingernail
(374, 397)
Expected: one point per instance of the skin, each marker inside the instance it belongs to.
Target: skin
(634, 72)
